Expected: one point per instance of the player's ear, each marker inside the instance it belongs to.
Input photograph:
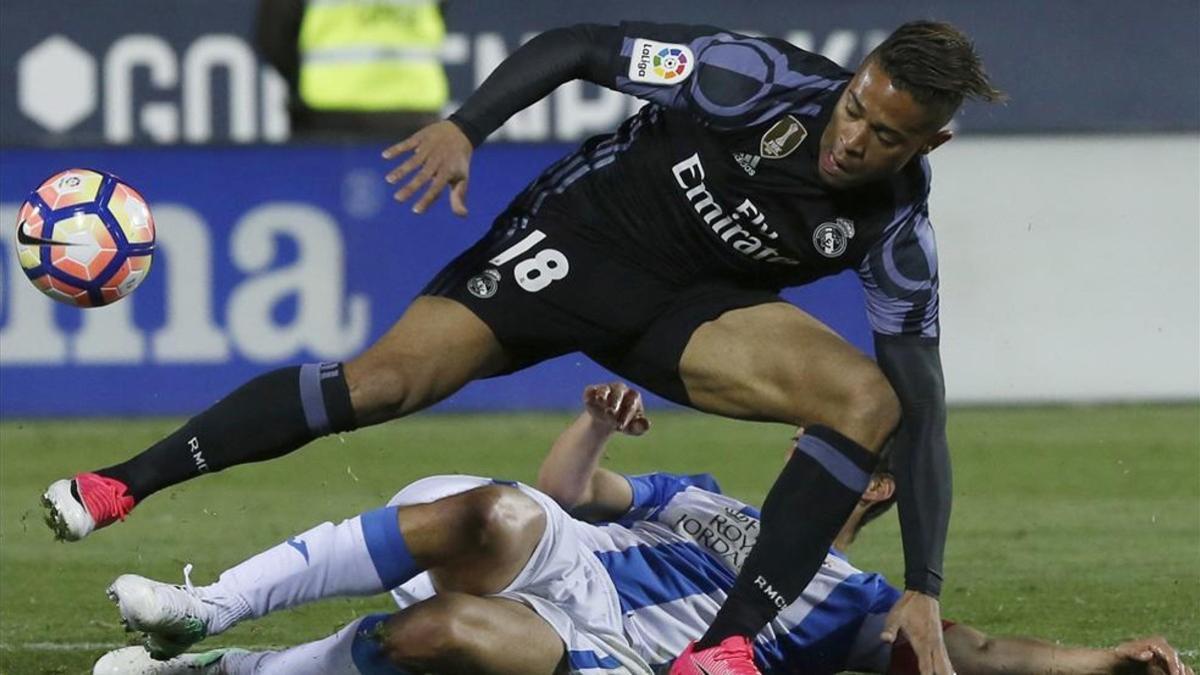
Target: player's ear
(938, 138)
(881, 488)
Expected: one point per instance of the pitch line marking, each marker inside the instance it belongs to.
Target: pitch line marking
(92, 646)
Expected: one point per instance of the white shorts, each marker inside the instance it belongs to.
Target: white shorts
(563, 582)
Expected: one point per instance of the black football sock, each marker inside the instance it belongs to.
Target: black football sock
(267, 417)
(806, 507)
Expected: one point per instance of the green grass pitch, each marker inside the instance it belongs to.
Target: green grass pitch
(1075, 524)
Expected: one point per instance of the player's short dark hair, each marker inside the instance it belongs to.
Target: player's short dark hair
(937, 64)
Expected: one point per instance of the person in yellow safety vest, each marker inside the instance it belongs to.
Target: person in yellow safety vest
(356, 67)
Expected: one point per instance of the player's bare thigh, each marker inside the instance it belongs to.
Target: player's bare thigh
(477, 541)
(460, 633)
(436, 347)
(774, 362)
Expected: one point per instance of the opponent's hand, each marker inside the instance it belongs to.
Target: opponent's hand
(1154, 655)
(919, 618)
(617, 406)
(441, 156)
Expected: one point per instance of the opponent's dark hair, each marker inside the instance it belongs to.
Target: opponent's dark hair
(937, 64)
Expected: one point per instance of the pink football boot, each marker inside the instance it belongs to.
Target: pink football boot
(734, 656)
(84, 503)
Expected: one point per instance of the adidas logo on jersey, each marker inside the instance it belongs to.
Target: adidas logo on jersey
(748, 162)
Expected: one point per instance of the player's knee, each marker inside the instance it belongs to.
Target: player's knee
(384, 389)
(499, 514)
(428, 634)
(870, 410)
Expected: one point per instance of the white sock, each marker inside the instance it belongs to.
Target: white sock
(339, 654)
(360, 556)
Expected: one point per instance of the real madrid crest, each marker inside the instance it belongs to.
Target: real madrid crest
(484, 285)
(782, 138)
(831, 239)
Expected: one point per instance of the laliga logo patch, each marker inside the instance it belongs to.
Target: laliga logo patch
(660, 62)
(831, 239)
(670, 63)
(484, 286)
(782, 138)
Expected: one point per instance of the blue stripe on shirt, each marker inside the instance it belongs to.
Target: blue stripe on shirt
(821, 643)
(652, 575)
(581, 659)
(652, 492)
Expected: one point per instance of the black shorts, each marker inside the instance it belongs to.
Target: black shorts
(545, 290)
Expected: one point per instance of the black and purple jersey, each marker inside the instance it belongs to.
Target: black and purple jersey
(718, 176)
(717, 180)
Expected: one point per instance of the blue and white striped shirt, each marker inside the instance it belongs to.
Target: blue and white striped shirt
(675, 555)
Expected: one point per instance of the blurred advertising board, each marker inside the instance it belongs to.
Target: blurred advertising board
(144, 71)
(267, 256)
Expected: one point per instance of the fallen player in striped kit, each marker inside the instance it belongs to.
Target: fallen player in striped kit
(497, 577)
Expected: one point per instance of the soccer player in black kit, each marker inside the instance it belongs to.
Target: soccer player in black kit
(659, 250)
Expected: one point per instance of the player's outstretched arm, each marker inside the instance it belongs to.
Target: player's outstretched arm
(902, 304)
(921, 465)
(974, 653)
(571, 472)
(439, 155)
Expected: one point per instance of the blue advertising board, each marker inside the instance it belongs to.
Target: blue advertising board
(268, 256)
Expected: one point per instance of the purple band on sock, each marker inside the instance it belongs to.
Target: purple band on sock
(312, 399)
(835, 462)
(389, 553)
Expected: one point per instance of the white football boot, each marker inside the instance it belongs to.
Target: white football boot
(170, 617)
(137, 661)
(77, 506)
(65, 514)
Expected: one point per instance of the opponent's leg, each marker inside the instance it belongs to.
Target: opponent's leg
(448, 634)
(476, 541)
(456, 633)
(774, 362)
(431, 352)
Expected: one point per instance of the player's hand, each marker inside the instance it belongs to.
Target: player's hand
(617, 406)
(918, 617)
(1154, 655)
(440, 156)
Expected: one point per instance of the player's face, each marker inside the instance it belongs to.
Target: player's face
(875, 130)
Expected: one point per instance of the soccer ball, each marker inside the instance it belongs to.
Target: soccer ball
(84, 237)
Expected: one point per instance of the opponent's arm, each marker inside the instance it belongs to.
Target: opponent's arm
(974, 653)
(571, 472)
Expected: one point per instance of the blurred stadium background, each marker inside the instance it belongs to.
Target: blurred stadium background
(1069, 236)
